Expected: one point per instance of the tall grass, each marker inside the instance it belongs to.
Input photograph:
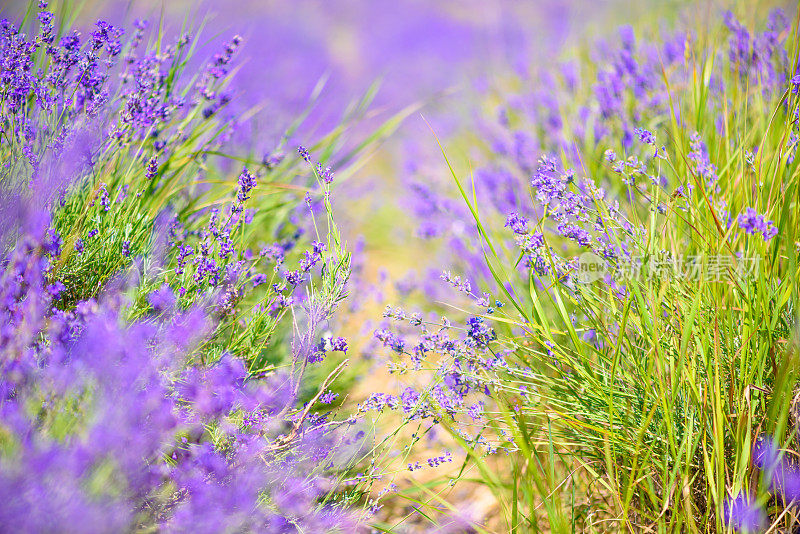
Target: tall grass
(655, 414)
(638, 400)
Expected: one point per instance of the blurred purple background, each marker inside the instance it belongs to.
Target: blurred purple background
(418, 49)
(439, 55)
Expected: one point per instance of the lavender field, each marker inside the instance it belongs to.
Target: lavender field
(362, 266)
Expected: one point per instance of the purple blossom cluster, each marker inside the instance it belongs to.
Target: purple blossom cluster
(328, 344)
(324, 174)
(104, 423)
(139, 407)
(752, 222)
(517, 224)
(744, 516)
(463, 377)
(782, 478)
(752, 54)
(208, 261)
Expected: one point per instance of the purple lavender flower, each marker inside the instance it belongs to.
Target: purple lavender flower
(325, 173)
(339, 344)
(52, 243)
(330, 344)
(309, 260)
(702, 165)
(318, 247)
(627, 37)
(391, 340)
(103, 197)
(247, 182)
(162, 299)
(45, 19)
(106, 34)
(328, 397)
(754, 223)
(783, 477)
(274, 159)
(576, 233)
(479, 332)
(294, 278)
(316, 356)
(436, 461)
(152, 168)
(517, 223)
(744, 515)
(457, 282)
(645, 136)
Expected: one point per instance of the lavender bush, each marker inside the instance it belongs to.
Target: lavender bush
(143, 387)
(622, 254)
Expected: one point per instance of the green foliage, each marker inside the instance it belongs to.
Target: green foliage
(643, 406)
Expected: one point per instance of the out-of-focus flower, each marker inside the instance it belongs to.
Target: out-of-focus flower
(744, 515)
